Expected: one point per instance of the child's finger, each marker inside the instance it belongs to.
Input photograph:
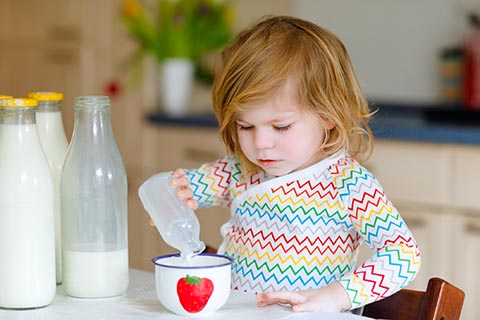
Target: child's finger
(185, 194)
(180, 182)
(192, 204)
(177, 173)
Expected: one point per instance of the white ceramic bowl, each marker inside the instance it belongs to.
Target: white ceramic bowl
(199, 288)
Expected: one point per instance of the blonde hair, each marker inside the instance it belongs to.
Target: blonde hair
(262, 57)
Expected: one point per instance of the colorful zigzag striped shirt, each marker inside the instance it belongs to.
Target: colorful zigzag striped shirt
(303, 230)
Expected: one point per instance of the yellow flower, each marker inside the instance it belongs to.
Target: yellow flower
(131, 9)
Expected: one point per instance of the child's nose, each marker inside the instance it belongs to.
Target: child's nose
(263, 140)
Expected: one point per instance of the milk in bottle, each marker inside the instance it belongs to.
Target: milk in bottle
(27, 242)
(54, 144)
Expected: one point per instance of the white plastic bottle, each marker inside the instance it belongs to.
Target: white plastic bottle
(27, 242)
(54, 143)
(94, 206)
(177, 224)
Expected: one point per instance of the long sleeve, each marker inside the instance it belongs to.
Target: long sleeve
(396, 258)
(210, 183)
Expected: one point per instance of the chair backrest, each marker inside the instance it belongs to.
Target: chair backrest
(441, 301)
(210, 249)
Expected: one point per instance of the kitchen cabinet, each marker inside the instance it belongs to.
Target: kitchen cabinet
(412, 172)
(465, 231)
(41, 50)
(45, 45)
(465, 174)
(465, 260)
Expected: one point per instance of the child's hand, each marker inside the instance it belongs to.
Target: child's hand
(180, 181)
(331, 298)
(185, 193)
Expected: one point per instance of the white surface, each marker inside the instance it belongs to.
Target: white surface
(394, 45)
(140, 302)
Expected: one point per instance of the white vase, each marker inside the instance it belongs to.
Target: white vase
(176, 81)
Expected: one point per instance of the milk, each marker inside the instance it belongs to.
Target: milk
(95, 274)
(27, 244)
(27, 268)
(55, 144)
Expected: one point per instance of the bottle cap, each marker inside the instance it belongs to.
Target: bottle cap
(45, 96)
(18, 102)
(5, 97)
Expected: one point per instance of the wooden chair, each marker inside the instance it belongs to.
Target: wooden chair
(209, 249)
(441, 301)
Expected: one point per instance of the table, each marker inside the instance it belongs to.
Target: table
(140, 302)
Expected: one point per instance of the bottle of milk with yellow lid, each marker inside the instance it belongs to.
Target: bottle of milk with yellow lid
(27, 243)
(54, 143)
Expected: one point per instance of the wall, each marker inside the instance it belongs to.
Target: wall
(393, 44)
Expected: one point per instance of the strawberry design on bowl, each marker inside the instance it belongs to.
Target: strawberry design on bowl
(194, 292)
(198, 287)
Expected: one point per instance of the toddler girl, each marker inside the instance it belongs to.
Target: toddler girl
(294, 121)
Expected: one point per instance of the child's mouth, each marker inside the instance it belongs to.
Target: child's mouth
(267, 162)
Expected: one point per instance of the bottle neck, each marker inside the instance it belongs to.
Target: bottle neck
(49, 106)
(92, 102)
(17, 115)
(97, 121)
(92, 117)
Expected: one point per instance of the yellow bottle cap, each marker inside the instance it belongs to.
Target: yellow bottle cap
(5, 97)
(45, 96)
(18, 102)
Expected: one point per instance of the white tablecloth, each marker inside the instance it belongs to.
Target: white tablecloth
(140, 302)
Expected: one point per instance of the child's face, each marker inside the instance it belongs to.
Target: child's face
(279, 135)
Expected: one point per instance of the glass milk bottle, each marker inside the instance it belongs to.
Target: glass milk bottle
(27, 241)
(94, 206)
(54, 143)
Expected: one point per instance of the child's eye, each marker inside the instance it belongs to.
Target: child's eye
(244, 127)
(282, 128)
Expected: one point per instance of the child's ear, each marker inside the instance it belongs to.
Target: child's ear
(329, 124)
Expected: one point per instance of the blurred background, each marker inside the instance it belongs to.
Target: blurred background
(409, 57)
